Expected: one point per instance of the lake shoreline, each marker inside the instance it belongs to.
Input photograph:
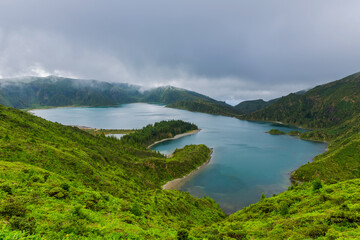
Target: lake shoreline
(178, 181)
(175, 137)
(292, 180)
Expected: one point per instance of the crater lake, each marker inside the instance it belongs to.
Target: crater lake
(246, 161)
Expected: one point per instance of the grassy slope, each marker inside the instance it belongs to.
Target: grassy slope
(330, 212)
(67, 181)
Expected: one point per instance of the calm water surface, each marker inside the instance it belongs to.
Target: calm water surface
(246, 161)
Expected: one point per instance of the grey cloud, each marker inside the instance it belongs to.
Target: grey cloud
(226, 49)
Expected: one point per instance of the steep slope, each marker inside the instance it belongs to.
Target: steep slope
(341, 161)
(323, 106)
(57, 181)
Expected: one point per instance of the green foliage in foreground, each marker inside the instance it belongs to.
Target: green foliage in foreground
(58, 181)
(329, 212)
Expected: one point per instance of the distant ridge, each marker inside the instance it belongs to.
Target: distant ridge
(251, 106)
(53, 91)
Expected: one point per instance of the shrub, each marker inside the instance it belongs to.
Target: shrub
(317, 184)
(183, 234)
(135, 209)
(23, 224)
(284, 209)
(79, 212)
(14, 207)
(58, 192)
(6, 188)
(65, 186)
(262, 197)
(316, 231)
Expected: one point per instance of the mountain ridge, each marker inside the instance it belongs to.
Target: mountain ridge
(52, 91)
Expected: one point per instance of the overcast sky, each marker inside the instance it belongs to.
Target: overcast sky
(228, 49)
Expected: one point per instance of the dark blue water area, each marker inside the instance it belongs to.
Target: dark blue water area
(246, 161)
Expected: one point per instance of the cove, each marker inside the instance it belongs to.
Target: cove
(246, 161)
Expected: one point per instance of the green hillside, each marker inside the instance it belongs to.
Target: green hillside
(188, 100)
(307, 211)
(341, 161)
(251, 106)
(170, 94)
(57, 181)
(323, 106)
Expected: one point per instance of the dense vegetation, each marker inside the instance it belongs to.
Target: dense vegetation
(52, 91)
(307, 211)
(58, 181)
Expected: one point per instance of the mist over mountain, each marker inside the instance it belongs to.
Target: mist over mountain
(53, 91)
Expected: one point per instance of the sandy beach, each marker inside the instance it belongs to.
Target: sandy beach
(175, 137)
(178, 181)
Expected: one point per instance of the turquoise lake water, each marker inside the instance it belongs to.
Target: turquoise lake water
(246, 161)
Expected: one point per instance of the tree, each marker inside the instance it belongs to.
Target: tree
(317, 184)
(262, 197)
(183, 234)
